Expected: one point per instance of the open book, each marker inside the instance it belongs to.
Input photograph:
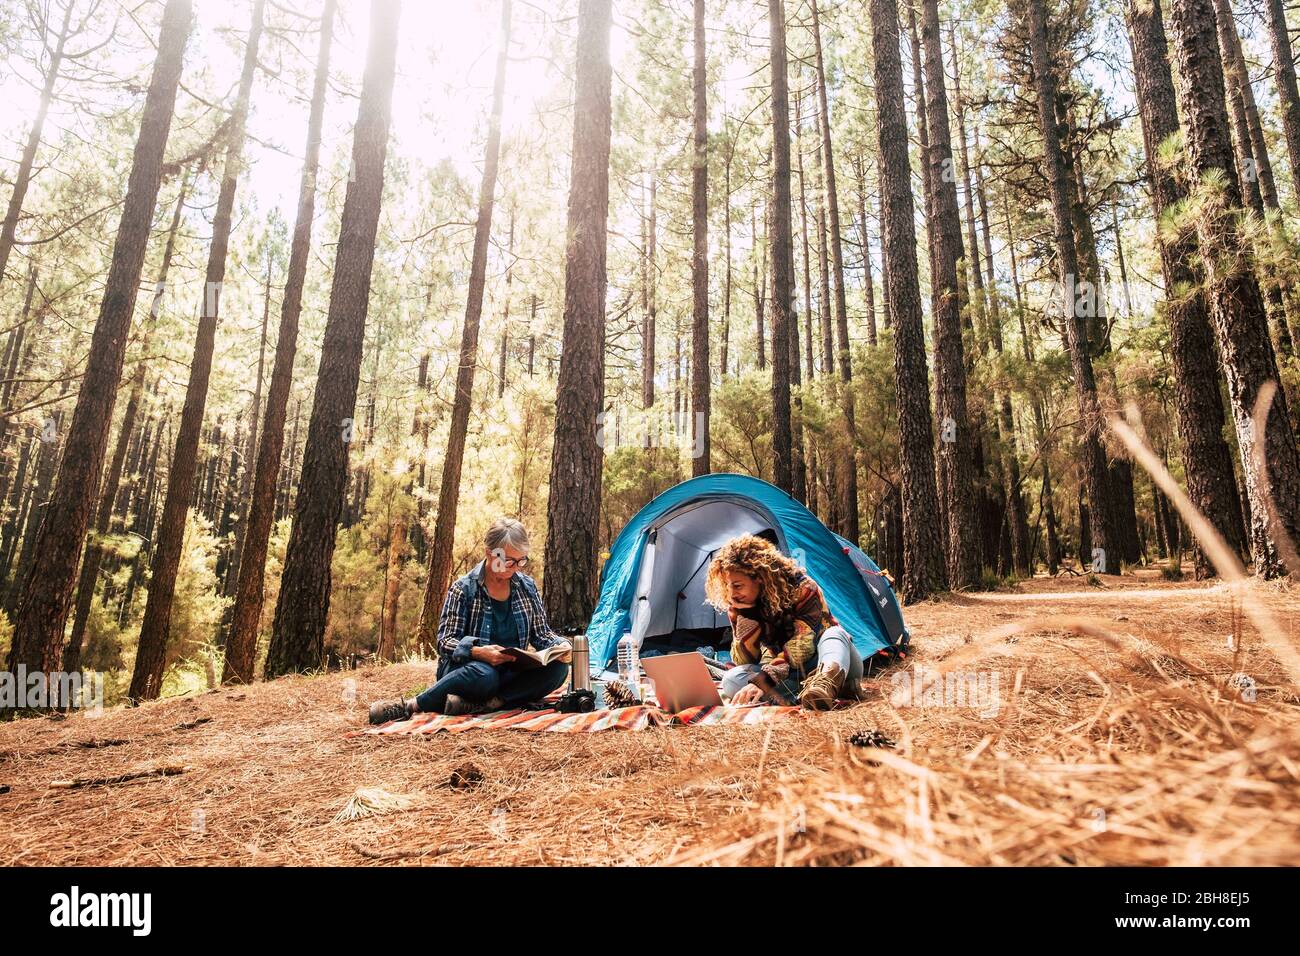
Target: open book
(529, 659)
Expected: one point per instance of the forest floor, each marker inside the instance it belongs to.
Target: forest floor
(1119, 737)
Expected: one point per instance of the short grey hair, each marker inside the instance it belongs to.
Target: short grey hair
(507, 531)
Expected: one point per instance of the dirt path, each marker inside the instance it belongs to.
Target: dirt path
(1130, 744)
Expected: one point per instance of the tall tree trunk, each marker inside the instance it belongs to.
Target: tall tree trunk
(726, 281)
(1207, 460)
(241, 645)
(850, 501)
(505, 318)
(1253, 165)
(760, 291)
(47, 592)
(810, 371)
(924, 572)
(298, 631)
(649, 328)
(573, 508)
(16, 356)
(978, 317)
(248, 456)
(146, 681)
(1238, 75)
(23, 175)
(444, 529)
(1236, 306)
(700, 409)
(1287, 93)
(922, 131)
(957, 478)
(835, 491)
(781, 254)
(865, 236)
(1019, 516)
(90, 564)
(1105, 544)
(46, 459)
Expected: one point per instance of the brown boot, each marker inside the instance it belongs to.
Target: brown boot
(822, 686)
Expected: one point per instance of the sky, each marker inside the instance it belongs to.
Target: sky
(445, 63)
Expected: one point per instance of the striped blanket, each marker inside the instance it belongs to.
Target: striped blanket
(624, 718)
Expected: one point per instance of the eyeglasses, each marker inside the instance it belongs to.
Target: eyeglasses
(501, 563)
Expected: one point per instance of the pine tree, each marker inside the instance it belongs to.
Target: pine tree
(47, 591)
(573, 508)
(923, 572)
(298, 631)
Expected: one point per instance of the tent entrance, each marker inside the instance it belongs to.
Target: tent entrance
(669, 612)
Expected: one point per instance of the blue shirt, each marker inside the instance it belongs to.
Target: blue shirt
(505, 630)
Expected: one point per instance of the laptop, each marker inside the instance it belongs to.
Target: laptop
(681, 681)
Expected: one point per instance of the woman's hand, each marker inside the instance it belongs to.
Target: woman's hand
(491, 654)
(749, 694)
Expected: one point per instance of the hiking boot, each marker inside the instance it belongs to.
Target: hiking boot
(457, 706)
(822, 687)
(386, 711)
(853, 690)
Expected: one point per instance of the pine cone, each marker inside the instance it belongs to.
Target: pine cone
(619, 694)
(871, 738)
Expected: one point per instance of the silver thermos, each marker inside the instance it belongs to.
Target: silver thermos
(579, 666)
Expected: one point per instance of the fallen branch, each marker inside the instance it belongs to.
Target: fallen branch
(79, 782)
(398, 854)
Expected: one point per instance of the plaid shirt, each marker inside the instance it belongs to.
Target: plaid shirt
(467, 618)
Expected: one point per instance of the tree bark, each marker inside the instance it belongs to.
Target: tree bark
(444, 529)
(241, 645)
(1105, 545)
(1207, 460)
(1237, 77)
(247, 457)
(924, 572)
(700, 409)
(90, 564)
(47, 592)
(298, 631)
(849, 504)
(146, 681)
(649, 328)
(956, 474)
(1287, 93)
(573, 508)
(1236, 305)
(781, 246)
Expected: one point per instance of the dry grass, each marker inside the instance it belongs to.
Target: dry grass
(1120, 738)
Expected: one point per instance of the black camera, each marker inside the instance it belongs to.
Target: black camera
(576, 702)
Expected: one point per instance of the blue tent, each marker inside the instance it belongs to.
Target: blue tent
(653, 583)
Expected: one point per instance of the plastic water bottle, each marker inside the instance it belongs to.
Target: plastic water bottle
(629, 664)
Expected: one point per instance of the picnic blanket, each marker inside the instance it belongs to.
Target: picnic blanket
(623, 718)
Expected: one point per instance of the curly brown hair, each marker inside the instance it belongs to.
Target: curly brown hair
(777, 575)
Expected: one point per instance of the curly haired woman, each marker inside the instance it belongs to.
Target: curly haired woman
(784, 640)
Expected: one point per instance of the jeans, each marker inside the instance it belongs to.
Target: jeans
(834, 645)
(478, 682)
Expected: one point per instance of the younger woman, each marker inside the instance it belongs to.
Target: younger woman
(784, 640)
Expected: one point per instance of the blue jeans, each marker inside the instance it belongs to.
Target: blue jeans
(479, 682)
(834, 645)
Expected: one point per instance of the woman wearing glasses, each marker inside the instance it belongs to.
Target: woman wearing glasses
(492, 608)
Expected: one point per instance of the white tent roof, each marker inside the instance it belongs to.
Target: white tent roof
(670, 589)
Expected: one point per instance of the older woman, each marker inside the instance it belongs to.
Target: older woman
(784, 640)
(492, 608)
